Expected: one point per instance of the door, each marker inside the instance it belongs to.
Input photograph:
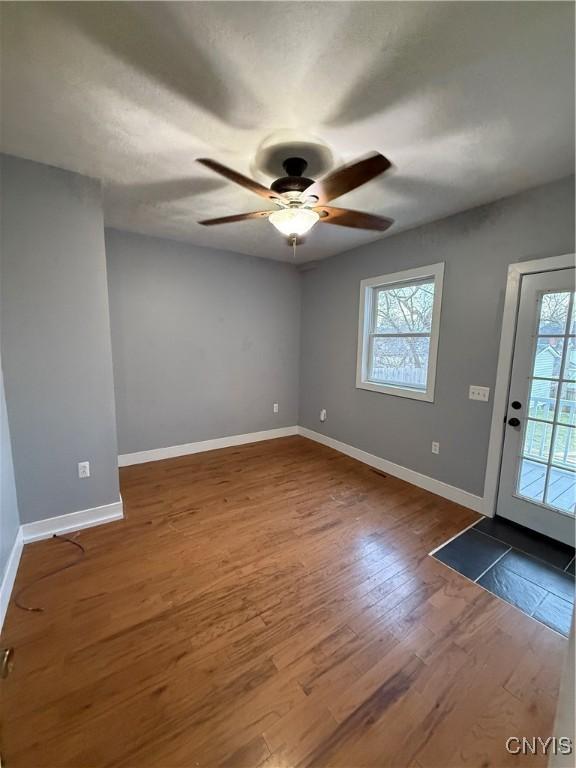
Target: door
(538, 472)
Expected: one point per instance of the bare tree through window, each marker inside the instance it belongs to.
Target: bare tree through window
(402, 328)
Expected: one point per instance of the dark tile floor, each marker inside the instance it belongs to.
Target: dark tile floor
(541, 547)
(530, 571)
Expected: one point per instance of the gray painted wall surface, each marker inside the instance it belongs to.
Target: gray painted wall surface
(204, 342)
(477, 247)
(56, 348)
(9, 519)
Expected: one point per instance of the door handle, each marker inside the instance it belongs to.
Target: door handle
(513, 422)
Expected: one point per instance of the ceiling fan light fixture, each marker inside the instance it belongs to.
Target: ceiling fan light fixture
(293, 221)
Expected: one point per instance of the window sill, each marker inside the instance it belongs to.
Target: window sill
(386, 389)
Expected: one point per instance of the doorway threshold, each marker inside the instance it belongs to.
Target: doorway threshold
(527, 570)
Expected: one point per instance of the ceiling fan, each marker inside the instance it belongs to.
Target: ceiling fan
(302, 202)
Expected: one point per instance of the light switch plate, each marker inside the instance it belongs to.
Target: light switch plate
(479, 393)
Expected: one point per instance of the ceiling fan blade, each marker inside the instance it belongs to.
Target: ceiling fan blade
(238, 178)
(348, 177)
(356, 219)
(236, 217)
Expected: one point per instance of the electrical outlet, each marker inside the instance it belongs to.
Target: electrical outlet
(435, 447)
(479, 393)
(323, 414)
(276, 408)
(83, 469)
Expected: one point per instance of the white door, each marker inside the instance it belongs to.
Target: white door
(538, 473)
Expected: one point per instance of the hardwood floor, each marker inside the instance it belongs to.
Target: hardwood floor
(270, 605)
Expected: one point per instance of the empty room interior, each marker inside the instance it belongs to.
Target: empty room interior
(288, 377)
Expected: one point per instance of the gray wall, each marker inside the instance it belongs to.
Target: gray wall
(56, 340)
(9, 519)
(204, 342)
(477, 247)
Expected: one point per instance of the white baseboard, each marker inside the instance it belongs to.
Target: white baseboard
(86, 518)
(127, 459)
(10, 574)
(44, 529)
(74, 521)
(450, 492)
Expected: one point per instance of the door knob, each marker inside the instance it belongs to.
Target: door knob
(514, 422)
(516, 405)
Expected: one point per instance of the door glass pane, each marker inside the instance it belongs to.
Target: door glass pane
(542, 402)
(531, 480)
(547, 473)
(567, 410)
(570, 370)
(400, 360)
(537, 439)
(554, 313)
(561, 491)
(548, 357)
(564, 452)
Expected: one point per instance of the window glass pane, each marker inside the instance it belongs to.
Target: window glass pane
(554, 312)
(405, 308)
(401, 361)
(561, 491)
(542, 401)
(531, 480)
(564, 452)
(567, 410)
(548, 358)
(570, 368)
(537, 439)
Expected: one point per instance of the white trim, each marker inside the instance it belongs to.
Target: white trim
(10, 574)
(464, 498)
(505, 355)
(364, 322)
(157, 454)
(74, 521)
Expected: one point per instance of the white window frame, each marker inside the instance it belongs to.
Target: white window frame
(367, 292)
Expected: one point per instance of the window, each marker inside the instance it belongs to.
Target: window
(398, 333)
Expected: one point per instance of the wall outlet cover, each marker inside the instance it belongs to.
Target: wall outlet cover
(83, 469)
(276, 408)
(435, 447)
(323, 414)
(479, 393)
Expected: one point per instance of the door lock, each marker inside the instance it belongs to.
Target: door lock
(513, 422)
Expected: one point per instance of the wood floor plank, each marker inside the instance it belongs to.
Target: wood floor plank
(269, 606)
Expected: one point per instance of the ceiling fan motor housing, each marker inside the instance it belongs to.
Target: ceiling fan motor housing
(294, 181)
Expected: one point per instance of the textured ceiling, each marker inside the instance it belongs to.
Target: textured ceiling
(470, 101)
